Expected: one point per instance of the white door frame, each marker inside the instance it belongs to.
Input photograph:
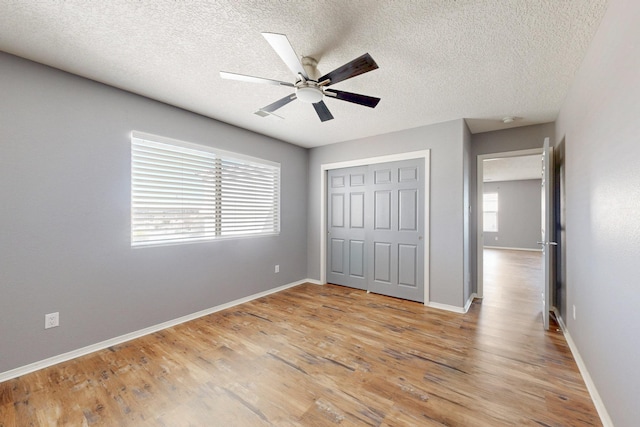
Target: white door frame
(423, 154)
(479, 203)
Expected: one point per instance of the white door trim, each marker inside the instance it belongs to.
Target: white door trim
(479, 202)
(422, 154)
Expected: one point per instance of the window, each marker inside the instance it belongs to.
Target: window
(490, 212)
(184, 192)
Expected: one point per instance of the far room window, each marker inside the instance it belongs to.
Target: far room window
(182, 192)
(490, 210)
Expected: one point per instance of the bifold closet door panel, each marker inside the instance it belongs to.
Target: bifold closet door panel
(346, 234)
(396, 233)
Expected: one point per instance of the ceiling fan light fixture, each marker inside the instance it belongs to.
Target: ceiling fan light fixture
(309, 94)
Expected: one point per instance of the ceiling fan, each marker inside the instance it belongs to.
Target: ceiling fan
(310, 88)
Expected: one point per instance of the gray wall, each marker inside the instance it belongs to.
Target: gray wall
(601, 130)
(65, 215)
(466, 225)
(518, 216)
(515, 139)
(445, 140)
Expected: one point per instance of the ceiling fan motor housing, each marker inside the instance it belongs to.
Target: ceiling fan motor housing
(310, 66)
(307, 90)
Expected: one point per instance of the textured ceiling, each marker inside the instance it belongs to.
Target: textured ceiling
(512, 168)
(439, 60)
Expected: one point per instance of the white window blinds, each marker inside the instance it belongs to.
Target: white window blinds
(182, 192)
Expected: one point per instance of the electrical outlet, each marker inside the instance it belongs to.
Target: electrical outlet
(51, 320)
(574, 312)
(277, 269)
(496, 237)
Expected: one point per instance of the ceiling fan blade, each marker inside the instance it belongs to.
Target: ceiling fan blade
(278, 104)
(323, 111)
(280, 43)
(360, 65)
(252, 79)
(356, 98)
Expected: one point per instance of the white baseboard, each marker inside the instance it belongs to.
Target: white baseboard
(446, 307)
(595, 396)
(13, 373)
(512, 249)
(470, 301)
(314, 282)
(455, 309)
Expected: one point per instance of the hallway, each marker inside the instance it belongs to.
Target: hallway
(510, 337)
(513, 281)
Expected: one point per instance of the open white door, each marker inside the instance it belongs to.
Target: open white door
(546, 230)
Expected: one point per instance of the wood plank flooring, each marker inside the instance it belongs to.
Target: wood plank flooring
(327, 355)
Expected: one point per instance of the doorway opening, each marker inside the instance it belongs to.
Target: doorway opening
(508, 207)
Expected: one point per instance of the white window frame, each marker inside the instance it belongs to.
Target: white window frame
(486, 210)
(183, 192)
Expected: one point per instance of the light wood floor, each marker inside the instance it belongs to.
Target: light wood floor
(326, 355)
